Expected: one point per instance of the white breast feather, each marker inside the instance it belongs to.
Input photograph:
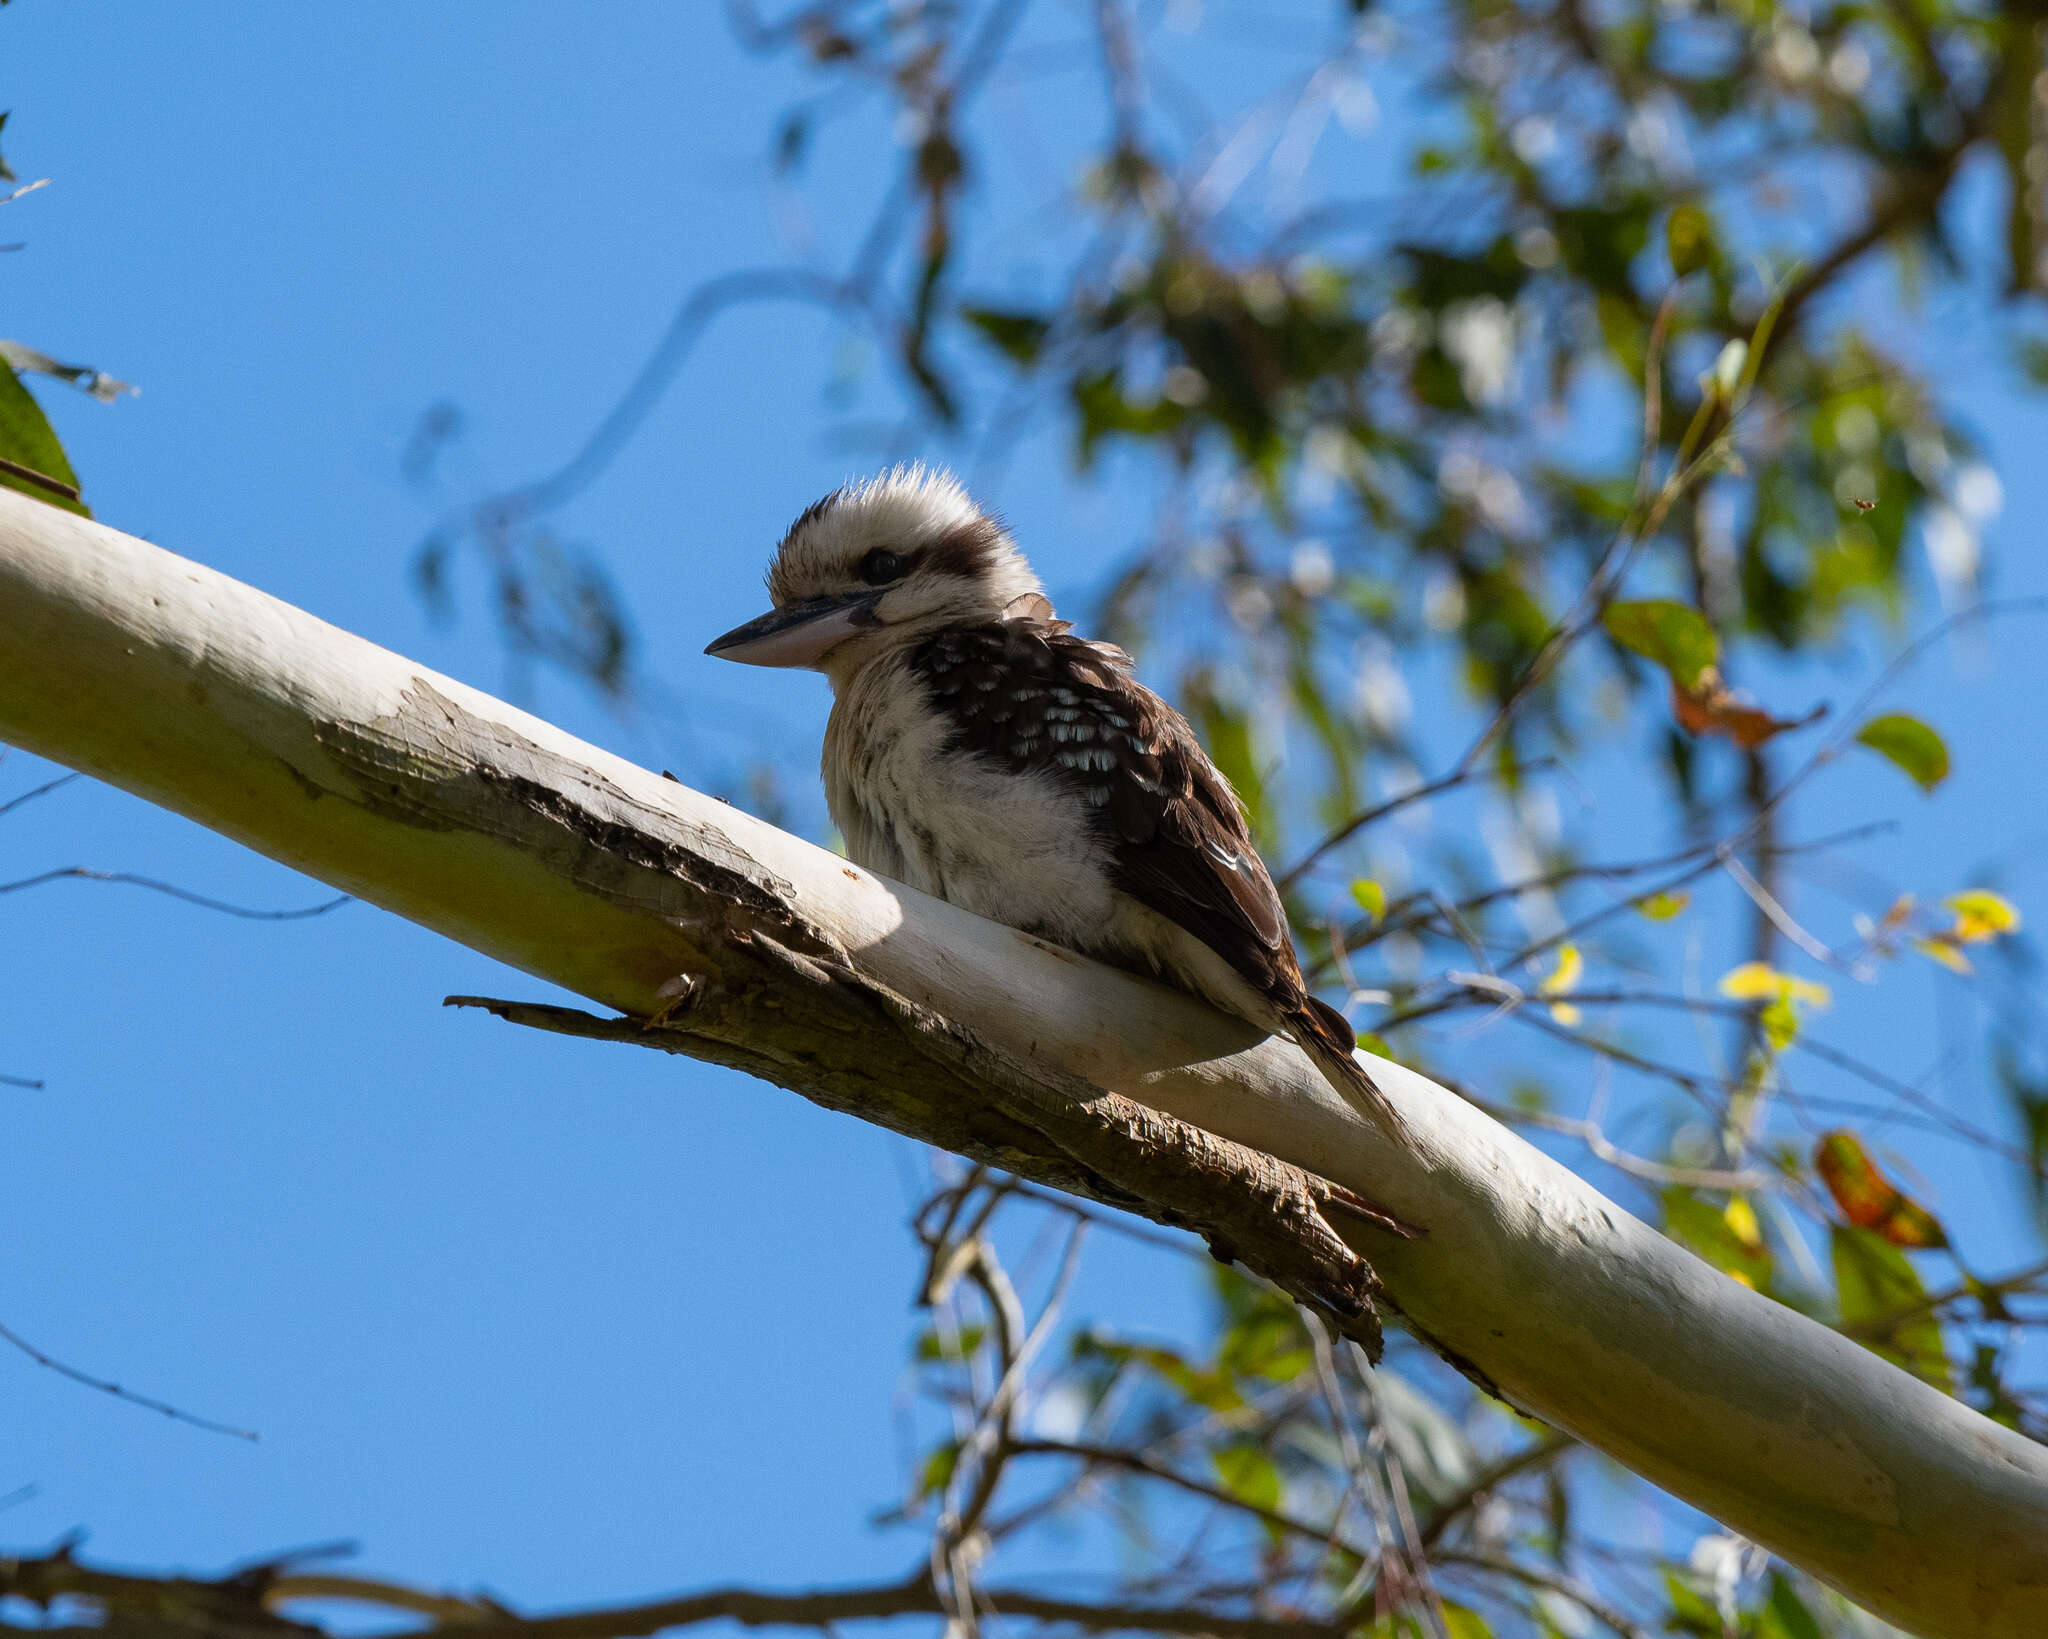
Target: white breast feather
(1016, 848)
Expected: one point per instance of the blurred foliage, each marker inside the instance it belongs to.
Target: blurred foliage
(32, 460)
(1559, 360)
(1553, 350)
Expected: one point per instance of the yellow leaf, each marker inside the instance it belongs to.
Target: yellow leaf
(1570, 966)
(1981, 915)
(1781, 1023)
(1662, 907)
(1751, 982)
(1943, 949)
(1741, 1218)
(1806, 990)
(1371, 897)
(1760, 982)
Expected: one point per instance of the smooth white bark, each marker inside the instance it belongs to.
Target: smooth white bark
(353, 764)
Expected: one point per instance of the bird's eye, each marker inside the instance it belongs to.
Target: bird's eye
(880, 567)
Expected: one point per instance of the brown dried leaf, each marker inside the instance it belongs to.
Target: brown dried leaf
(1711, 707)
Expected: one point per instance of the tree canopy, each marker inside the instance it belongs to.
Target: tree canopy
(1507, 397)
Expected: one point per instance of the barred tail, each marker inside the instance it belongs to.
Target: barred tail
(1327, 1037)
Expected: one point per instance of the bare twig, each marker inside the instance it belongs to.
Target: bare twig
(1393, 805)
(83, 873)
(116, 1391)
(42, 790)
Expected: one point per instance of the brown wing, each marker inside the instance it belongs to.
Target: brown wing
(1029, 695)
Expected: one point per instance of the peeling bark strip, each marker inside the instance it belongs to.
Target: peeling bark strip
(930, 1080)
(482, 822)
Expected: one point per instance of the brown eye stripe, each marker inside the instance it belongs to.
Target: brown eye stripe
(967, 551)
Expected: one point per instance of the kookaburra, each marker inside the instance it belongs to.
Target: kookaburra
(979, 751)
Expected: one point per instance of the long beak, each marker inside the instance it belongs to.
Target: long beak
(800, 635)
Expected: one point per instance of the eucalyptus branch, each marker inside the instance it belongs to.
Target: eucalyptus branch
(720, 937)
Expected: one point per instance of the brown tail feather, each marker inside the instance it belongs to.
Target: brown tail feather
(1324, 1034)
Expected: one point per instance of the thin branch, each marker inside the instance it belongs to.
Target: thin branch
(1134, 1462)
(696, 310)
(116, 1391)
(42, 790)
(1454, 1507)
(1551, 1582)
(1393, 805)
(820, 1608)
(85, 874)
(41, 480)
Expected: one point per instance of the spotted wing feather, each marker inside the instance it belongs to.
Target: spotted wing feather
(1035, 698)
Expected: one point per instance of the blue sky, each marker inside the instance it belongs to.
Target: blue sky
(511, 1311)
(506, 1311)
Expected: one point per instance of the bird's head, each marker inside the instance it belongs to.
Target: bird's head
(879, 563)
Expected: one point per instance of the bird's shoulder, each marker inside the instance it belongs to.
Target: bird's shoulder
(1034, 697)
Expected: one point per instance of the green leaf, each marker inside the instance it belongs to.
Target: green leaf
(1881, 1293)
(2031, 353)
(932, 1346)
(1662, 907)
(1909, 743)
(1689, 1612)
(1785, 1613)
(2013, 125)
(1674, 636)
(26, 440)
(1371, 897)
(1020, 335)
(1725, 1237)
(1248, 1475)
(1463, 1622)
(1689, 240)
(937, 1472)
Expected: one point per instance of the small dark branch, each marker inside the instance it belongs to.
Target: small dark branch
(656, 372)
(1602, 1148)
(1379, 811)
(1895, 668)
(1764, 931)
(1143, 1234)
(42, 790)
(1456, 1506)
(116, 1391)
(2019, 1283)
(1554, 1582)
(1414, 912)
(85, 874)
(42, 480)
(248, 1604)
(1132, 1462)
